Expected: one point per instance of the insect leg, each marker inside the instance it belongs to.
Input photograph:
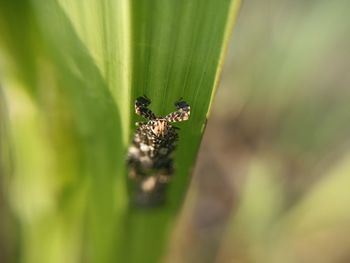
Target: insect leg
(182, 112)
(141, 108)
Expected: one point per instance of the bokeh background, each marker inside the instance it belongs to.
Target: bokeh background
(272, 181)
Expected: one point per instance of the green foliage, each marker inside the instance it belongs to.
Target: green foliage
(71, 73)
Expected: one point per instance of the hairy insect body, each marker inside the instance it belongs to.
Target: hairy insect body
(150, 153)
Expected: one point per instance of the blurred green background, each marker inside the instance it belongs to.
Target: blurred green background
(272, 181)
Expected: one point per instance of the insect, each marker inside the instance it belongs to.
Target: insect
(150, 153)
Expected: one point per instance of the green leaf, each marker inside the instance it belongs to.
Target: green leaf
(178, 48)
(72, 72)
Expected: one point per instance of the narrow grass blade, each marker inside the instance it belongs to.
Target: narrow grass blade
(177, 51)
(74, 69)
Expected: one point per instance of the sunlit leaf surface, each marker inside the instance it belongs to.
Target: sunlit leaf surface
(71, 73)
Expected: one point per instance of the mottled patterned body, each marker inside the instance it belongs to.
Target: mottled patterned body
(150, 153)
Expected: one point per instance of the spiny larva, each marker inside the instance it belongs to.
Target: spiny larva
(150, 153)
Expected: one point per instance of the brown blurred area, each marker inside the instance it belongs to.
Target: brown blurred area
(277, 137)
